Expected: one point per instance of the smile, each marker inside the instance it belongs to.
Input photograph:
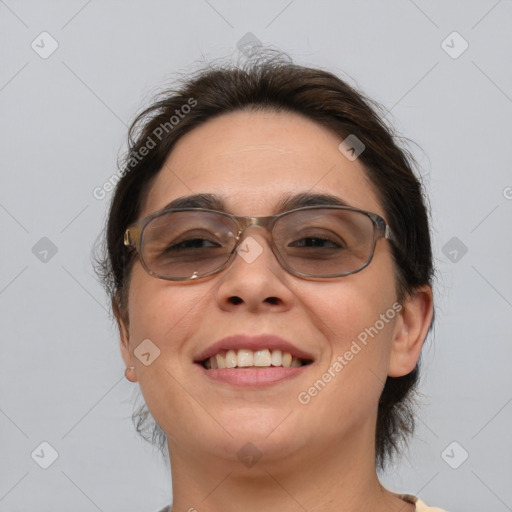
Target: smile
(246, 358)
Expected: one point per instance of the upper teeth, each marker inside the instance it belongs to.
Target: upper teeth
(243, 358)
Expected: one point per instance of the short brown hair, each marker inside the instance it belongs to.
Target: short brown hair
(276, 84)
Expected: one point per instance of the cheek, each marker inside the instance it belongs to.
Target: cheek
(160, 311)
(163, 318)
(357, 316)
(350, 378)
(352, 309)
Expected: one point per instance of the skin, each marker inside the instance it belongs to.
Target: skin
(315, 457)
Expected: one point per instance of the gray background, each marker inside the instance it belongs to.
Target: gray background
(63, 121)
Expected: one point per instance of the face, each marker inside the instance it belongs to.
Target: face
(251, 161)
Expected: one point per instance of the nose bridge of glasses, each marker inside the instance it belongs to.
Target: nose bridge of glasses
(245, 223)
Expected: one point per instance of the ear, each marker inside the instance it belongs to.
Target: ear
(411, 328)
(124, 334)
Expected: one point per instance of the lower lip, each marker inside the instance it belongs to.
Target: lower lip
(253, 376)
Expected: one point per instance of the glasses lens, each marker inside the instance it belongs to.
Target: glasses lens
(323, 242)
(187, 243)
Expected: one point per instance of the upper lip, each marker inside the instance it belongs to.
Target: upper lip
(259, 342)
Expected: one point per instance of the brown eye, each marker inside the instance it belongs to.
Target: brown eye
(192, 243)
(311, 242)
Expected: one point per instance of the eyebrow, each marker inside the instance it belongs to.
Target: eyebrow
(209, 201)
(287, 202)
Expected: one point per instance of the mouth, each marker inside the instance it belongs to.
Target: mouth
(244, 360)
(254, 359)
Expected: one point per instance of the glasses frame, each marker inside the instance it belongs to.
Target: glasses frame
(134, 233)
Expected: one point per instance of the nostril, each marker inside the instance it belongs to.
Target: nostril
(235, 300)
(272, 300)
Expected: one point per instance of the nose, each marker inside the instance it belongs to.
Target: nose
(254, 279)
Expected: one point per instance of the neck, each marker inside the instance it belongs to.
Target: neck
(323, 477)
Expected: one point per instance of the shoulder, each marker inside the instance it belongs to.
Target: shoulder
(421, 506)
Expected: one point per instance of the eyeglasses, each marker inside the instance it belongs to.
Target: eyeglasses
(312, 241)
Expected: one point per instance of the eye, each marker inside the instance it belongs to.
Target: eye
(191, 243)
(316, 242)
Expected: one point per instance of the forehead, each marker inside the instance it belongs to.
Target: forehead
(252, 160)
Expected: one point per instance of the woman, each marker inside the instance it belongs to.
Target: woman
(269, 263)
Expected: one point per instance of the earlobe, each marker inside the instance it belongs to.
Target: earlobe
(410, 331)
